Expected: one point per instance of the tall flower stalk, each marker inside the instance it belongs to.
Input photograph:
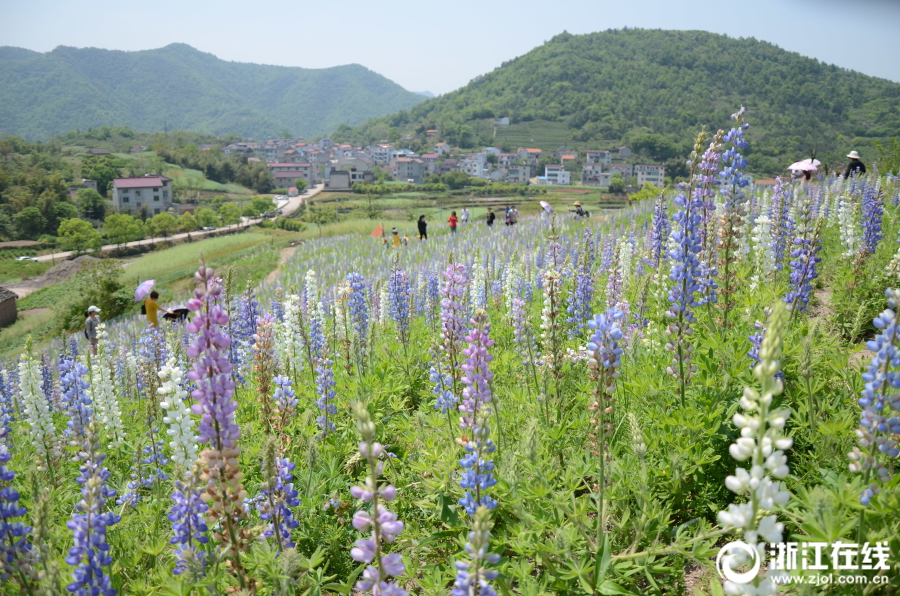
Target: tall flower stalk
(376, 578)
(763, 443)
(264, 364)
(189, 528)
(36, 408)
(177, 415)
(278, 497)
(225, 492)
(472, 575)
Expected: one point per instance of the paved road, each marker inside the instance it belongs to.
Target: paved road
(287, 208)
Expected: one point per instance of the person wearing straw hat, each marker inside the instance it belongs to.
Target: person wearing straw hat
(90, 327)
(579, 210)
(855, 166)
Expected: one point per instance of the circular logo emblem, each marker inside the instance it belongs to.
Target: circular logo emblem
(724, 561)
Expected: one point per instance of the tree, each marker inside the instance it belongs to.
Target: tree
(79, 235)
(301, 184)
(321, 214)
(121, 228)
(90, 204)
(617, 184)
(61, 211)
(230, 213)
(29, 222)
(206, 218)
(164, 224)
(187, 222)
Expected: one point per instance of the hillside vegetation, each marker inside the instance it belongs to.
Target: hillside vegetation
(653, 89)
(180, 87)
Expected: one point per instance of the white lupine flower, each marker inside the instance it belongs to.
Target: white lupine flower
(762, 443)
(384, 314)
(851, 238)
(103, 392)
(37, 411)
(511, 276)
(478, 293)
(626, 252)
(764, 262)
(178, 415)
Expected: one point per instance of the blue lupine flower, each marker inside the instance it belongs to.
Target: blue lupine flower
(442, 388)
(188, 524)
(472, 579)
(804, 260)
(14, 547)
(872, 210)
(398, 293)
(74, 385)
(325, 390)
(278, 496)
(579, 307)
(284, 396)
(478, 475)
(90, 554)
(359, 312)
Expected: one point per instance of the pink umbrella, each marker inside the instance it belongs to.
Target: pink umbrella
(805, 165)
(142, 290)
(546, 206)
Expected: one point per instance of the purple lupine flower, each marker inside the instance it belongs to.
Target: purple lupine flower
(15, 550)
(579, 307)
(47, 382)
(878, 446)
(872, 211)
(188, 524)
(453, 322)
(278, 495)
(359, 313)
(145, 471)
(284, 396)
(398, 292)
(526, 344)
(782, 225)
(472, 579)
(212, 370)
(384, 524)
(477, 392)
(90, 553)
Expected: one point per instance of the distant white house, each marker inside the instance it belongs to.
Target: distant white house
(624, 152)
(491, 150)
(604, 157)
(653, 173)
(152, 191)
(501, 121)
(556, 174)
(592, 174)
(442, 148)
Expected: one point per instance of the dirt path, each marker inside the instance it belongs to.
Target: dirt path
(286, 253)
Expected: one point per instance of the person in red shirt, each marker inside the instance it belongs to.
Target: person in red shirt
(453, 221)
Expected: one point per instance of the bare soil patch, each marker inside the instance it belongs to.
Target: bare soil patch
(284, 255)
(57, 274)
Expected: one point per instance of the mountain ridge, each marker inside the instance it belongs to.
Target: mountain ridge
(608, 88)
(42, 94)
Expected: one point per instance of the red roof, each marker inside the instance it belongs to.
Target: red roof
(141, 182)
(288, 165)
(533, 150)
(430, 156)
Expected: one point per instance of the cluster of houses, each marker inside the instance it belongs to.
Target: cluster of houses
(340, 166)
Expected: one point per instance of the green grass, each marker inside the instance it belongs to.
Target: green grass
(540, 134)
(179, 261)
(40, 324)
(15, 271)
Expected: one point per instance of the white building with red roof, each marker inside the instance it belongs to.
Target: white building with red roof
(153, 192)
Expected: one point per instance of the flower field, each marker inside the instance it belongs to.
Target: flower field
(564, 406)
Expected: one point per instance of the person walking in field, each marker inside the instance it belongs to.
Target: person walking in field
(453, 221)
(465, 215)
(152, 308)
(491, 216)
(90, 327)
(423, 228)
(513, 217)
(855, 166)
(396, 235)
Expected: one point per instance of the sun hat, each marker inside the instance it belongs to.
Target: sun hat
(93, 308)
(577, 204)
(853, 155)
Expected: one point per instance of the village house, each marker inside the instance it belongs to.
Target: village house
(653, 173)
(592, 174)
(474, 164)
(431, 132)
(98, 152)
(442, 149)
(449, 165)
(504, 121)
(8, 310)
(504, 160)
(491, 151)
(568, 159)
(137, 149)
(325, 143)
(286, 173)
(410, 170)
(381, 153)
(517, 173)
(431, 162)
(603, 157)
(624, 152)
(85, 183)
(532, 155)
(556, 174)
(625, 169)
(152, 192)
(564, 150)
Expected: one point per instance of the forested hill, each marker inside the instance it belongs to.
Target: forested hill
(180, 87)
(605, 89)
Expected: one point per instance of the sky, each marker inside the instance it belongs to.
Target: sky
(441, 46)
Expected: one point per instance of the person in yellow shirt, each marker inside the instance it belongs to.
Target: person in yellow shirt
(396, 236)
(152, 307)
